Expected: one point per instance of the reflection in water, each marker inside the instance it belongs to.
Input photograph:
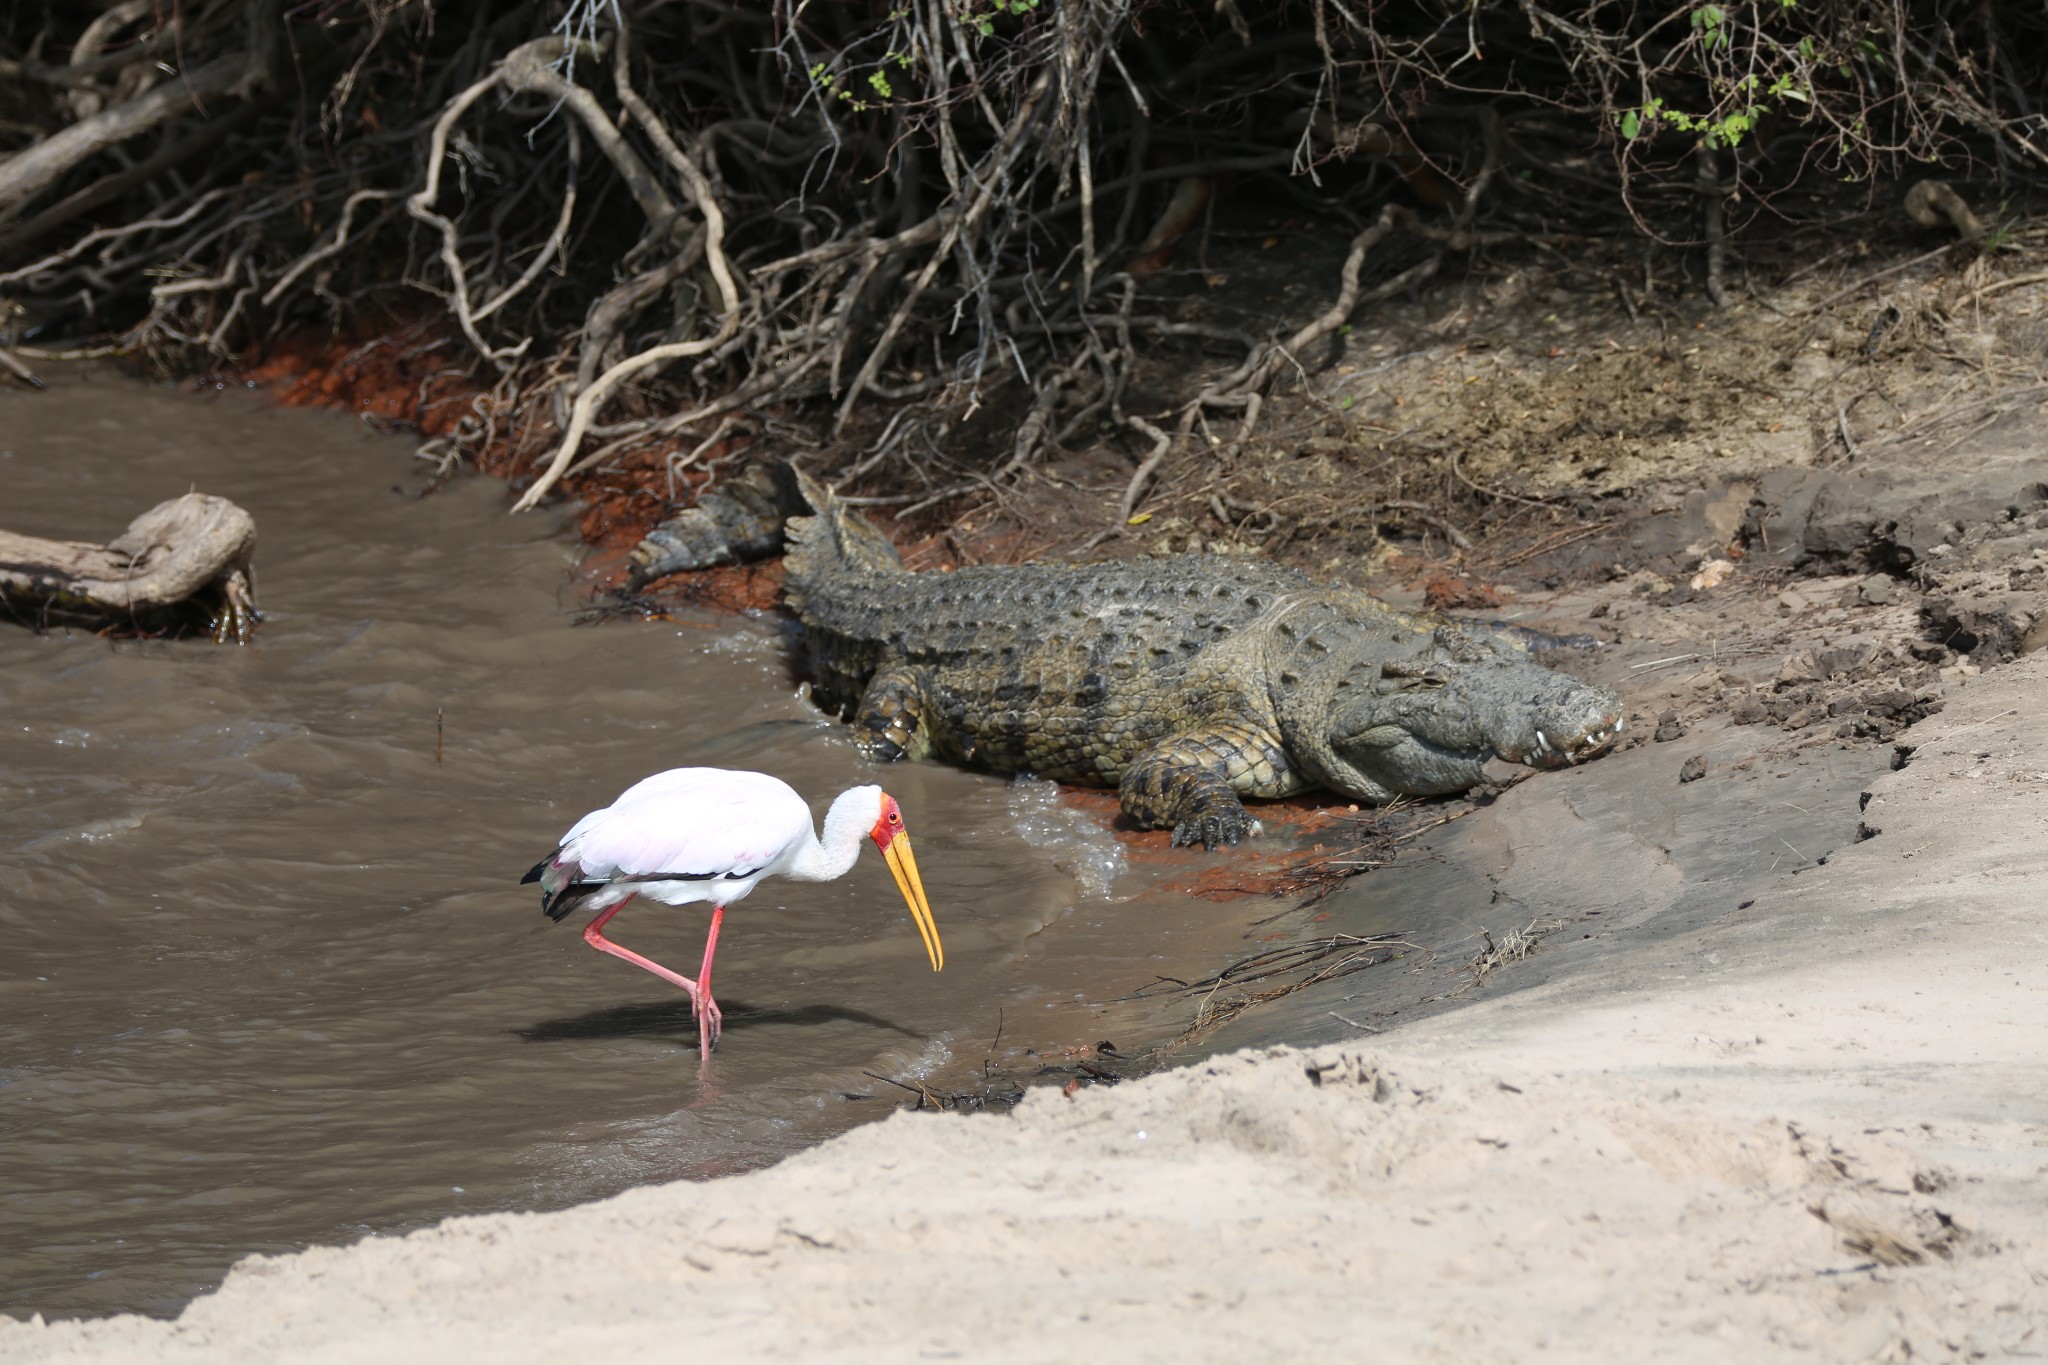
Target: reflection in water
(269, 979)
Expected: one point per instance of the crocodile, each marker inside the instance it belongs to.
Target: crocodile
(1188, 683)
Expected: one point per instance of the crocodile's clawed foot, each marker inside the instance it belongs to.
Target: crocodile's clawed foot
(1215, 828)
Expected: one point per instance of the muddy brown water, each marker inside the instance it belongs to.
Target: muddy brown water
(267, 979)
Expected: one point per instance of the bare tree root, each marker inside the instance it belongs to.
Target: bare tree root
(28, 172)
(938, 244)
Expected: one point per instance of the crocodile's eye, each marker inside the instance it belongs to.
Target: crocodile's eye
(1401, 677)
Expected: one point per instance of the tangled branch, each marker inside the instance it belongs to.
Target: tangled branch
(869, 226)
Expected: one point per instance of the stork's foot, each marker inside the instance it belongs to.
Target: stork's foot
(710, 1020)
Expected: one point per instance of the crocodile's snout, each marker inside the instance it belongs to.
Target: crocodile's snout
(1557, 721)
(1426, 727)
(1563, 749)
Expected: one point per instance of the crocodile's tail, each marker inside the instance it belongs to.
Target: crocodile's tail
(833, 541)
(741, 521)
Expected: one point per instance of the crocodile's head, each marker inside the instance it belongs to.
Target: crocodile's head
(1426, 725)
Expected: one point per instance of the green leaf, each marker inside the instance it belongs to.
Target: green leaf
(1630, 125)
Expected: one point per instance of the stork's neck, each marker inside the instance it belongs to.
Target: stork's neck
(830, 855)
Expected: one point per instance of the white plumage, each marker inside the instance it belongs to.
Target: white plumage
(712, 834)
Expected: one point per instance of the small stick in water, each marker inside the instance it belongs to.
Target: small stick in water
(437, 736)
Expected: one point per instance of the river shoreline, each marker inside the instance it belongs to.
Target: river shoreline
(1811, 1131)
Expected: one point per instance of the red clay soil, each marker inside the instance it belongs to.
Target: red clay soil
(1249, 871)
(401, 376)
(733, 588)
(1447, 592)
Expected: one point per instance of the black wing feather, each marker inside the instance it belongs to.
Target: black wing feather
(559, 905)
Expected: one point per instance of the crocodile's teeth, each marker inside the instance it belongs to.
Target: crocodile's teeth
(1542, 742)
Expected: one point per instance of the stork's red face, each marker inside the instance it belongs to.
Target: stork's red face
(894, 842)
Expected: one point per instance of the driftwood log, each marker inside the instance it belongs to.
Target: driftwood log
(184, 565)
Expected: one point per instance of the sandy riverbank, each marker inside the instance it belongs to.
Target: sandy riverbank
(1816, 1130)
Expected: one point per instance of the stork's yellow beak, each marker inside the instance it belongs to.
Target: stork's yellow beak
(894, 842)
(903, 864)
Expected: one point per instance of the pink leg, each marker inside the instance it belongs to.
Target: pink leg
(710, 1019)
(595, 938)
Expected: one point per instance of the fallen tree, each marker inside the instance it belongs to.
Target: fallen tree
(186, 564)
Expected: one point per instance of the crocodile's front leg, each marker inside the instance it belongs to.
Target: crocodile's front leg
(1192, 783)
(889, 722)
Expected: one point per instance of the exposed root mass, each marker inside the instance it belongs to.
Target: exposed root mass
(939, 245)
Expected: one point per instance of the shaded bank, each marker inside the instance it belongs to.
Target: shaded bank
(949, 248)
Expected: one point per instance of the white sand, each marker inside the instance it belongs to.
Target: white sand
(1820, 1135)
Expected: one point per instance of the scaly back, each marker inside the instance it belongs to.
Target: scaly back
(831, 546)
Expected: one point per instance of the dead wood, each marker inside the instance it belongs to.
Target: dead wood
(28, 172)
(182, 564)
